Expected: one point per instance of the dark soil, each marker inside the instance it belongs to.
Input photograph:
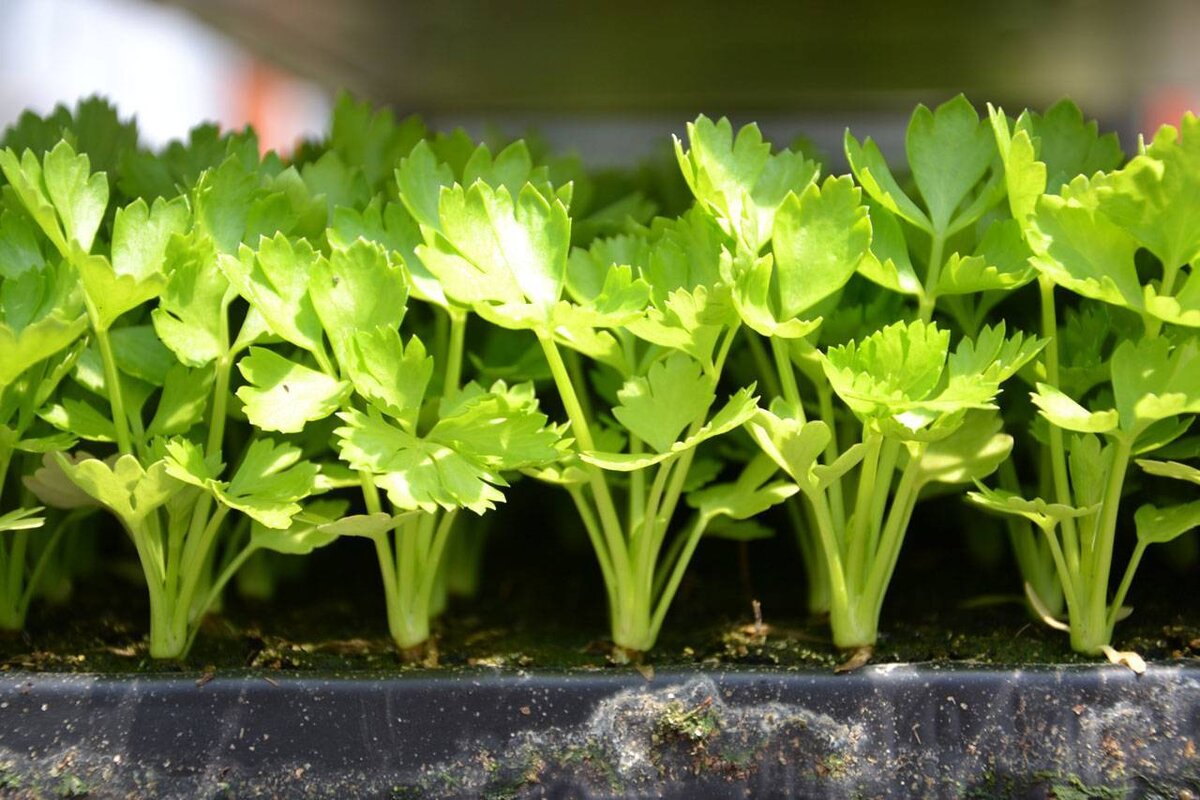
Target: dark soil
(541, 607)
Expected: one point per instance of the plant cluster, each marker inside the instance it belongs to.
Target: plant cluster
(237, 356)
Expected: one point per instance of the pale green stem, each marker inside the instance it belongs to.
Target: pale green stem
(597, 539)
(1107, 527)
(889, 456)
(433, 560)
(892, 538)
(858, 540)
(406, 555)
(1119, 598)
(836, 501)
(1154, 324)
(664, 600)
(581, 430)
(1058, 451)
(454, 355)
(637, 488)
(1070, 590)
(231, 568)
(937, 242)
(763, 364)
(192, 568)
(43, 560)
(112, 383)
(787, 375)
(839, 595)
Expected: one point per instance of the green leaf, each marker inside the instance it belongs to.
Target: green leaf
(690, 321)
(416, 474)
(184, 398)
(949, 152)
(307, 532)
(371, 138)
(739, 501)
(34, 342)
(140, 354)
(269, 483)
(224, 197)
(393, 228)
(889, 371)
(283, 395)
(753, 299)
(78, 196)
(1170, 469)
(339, 183)
(24, 175)
(875, 177)
(1001, 263)
(137, 272)
(392, 376)
(888, 262)
(1153, 196)
(366, 525)
(53, 488)
(1080, 249)
(421, 178)
(795, 445)
(819, 239)
(80, 419)
(355, 289)
(22, 519)
(191, 315)
(141, 234)
(974, 451)
(500, 252)
(1069, 145)
(685, 253)
(1063, 412)
(741, 407)
(1024, 175)
(1153, 379)
(738, 179)
(501, 428)
(1038, 511)
(274, 280)
(1161, 525)
(266, 487)
(656, 408)
(20, 251)
(125, 487)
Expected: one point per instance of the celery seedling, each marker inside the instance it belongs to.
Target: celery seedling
(160, 251)
(500, 248)
(934, 407)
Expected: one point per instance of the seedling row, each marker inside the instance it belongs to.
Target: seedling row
(241, 358)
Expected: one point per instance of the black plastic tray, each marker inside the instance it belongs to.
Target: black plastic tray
(890, 730)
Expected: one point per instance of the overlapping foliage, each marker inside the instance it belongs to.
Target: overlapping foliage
(235, 354)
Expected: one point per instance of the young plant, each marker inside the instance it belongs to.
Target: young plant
(1086, 238)
(166, 490)
(1155, 386)
(926, 413)
(432, 454)
(662, 324)
(41, 322)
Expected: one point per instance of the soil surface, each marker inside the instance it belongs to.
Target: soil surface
(541, 607)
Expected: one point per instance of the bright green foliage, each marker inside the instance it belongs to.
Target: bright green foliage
(232, 336)
(737, 178)
(926, 413)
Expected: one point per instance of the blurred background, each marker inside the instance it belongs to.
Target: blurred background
(609, 79)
